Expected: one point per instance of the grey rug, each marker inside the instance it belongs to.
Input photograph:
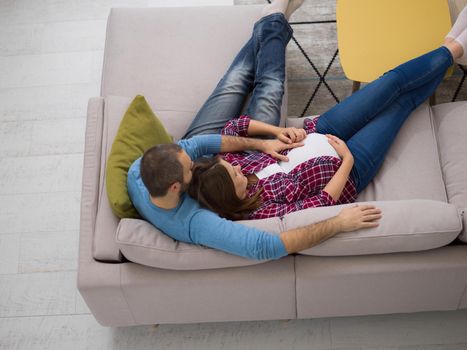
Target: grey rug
(319, 44)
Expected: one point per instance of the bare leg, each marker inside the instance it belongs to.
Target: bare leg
(287, 7)
(456, 49)
(293, 6)
(274, 7)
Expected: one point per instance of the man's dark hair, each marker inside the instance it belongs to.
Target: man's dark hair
(160, 168)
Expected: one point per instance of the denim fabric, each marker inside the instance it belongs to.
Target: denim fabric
(259, 69)
(369, 120)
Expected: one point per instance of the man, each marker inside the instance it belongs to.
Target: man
(157, 181)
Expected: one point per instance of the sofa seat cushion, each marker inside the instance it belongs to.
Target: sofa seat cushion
(142, 243)
(451, 126)
(407, 225)
(411, 169)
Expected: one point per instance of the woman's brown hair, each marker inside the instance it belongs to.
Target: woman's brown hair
(212, 187)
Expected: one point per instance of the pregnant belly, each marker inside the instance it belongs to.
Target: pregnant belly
(315, 145)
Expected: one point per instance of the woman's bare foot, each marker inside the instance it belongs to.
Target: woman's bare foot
(456, 49)
(447, 40)
(275, 7)
(293, 6)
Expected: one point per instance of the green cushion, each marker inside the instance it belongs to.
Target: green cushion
(139, 130)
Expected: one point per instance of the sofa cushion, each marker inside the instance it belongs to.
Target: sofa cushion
(407, 225)
(172, 56)
(451, 126)
(411, 169)
(104, 247)
(139, 130)
(141, 242)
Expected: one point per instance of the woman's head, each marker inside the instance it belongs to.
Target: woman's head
(221, 187)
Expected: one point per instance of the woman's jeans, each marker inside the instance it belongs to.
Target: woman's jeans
(370, 119)
(259, 69)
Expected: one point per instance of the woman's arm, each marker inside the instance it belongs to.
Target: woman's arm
(338, 181)
(257, 128)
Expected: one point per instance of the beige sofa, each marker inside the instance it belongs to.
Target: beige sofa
(416, 260)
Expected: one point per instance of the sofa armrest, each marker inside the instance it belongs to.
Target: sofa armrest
(406, 225)
(98, 283)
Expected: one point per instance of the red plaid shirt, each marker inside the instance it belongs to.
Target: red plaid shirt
(287, 192)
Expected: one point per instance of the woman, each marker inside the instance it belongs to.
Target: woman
(361, 130)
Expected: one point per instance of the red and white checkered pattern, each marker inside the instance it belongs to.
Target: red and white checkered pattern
(287, 192)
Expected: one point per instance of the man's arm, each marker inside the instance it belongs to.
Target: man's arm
(271, 147)
(210, 230)
(349, 219)
(200, 145)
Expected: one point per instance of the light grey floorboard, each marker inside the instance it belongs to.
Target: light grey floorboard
(9, 254)
(48, 252)
(54, 333)
(34, 333)
(400, 329)
(50, 69)
(80, 305)
(304, 334)
(43, 212)
(57, 136)
(15, 138)
(29, 294)
(461, 346)
(39, 174)
(43, 11)
(46, 102)
(53, 37)
(42, 137)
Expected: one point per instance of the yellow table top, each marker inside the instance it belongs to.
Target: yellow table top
(375, 36)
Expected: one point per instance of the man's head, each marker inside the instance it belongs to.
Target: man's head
(166, 168)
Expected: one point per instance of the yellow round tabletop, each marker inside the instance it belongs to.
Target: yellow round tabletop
(375, 36)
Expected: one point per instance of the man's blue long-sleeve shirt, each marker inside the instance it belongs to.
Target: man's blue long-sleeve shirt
(191, 223)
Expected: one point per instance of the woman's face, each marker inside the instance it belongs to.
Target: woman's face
(239, 180)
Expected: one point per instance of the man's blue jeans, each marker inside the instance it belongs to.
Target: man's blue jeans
(259, 69)
(369, 120)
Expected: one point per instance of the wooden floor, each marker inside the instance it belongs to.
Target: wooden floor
(50, 65)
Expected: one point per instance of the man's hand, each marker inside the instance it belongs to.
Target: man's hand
(272, 147)
(291, 135)
(359, 216)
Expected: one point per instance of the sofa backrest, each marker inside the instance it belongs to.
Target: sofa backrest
(175, 58)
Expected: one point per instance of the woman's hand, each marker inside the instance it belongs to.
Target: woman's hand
(291, 135)
(340, 147)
